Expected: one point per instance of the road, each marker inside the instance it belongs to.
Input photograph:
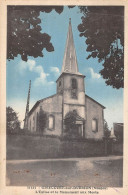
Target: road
(93, 171)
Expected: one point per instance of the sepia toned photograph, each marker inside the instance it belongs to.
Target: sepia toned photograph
(64, 96)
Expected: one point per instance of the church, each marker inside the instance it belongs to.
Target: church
(69, 102)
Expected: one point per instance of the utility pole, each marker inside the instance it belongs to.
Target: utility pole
(27, 108)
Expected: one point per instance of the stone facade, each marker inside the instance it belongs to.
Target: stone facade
(94, 111)
(69, 102)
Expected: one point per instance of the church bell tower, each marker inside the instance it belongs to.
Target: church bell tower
(71, 82)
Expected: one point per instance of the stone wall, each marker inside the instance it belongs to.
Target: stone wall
(39, 147)
(118, 148)
(42, 147)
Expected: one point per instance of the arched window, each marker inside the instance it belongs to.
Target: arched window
(74, 83)
(30, 125)
(51, 122)
(94, 125)
(59, 83)
(74, 88)
(37, 122)
(33, 122)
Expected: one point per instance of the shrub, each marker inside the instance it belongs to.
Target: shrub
(42, 121)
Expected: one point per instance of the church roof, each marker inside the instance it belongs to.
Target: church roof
(70, 60)
(38, 102)
(95, 101)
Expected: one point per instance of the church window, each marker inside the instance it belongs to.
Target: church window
(74, 111)
(51, 122)
(30, 125)
(74, 84)
(94, 125)
(74, 88)
(37, 122)
(59, 83)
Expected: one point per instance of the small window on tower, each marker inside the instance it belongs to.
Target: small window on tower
(74, 88)
(30, 125)
(74, 84)
(59, 83)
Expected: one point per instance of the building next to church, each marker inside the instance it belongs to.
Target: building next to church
(70, 100)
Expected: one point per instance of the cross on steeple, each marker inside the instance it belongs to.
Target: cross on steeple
(70, 60)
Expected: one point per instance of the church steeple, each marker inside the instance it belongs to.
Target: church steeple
(70, 60)
(70, 80)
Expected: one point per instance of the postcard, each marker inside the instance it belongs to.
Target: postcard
(64, 97)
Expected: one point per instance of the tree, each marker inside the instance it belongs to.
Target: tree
(118, 131)
(106, 129)
(103, 28)
(42, 121)
(24, 36)
(70, 125)
(12, 121)
(69, 122)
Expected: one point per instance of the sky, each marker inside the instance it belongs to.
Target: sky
(44, 71)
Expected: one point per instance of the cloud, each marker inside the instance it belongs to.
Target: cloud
(30, 64)
(94, 75)
(114, 113)
(42, 80)
(55, 70)
(32, 67)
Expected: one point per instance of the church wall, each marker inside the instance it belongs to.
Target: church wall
(32, 120)
(52, 104)
(53, 107)
(60, 85)
(80, 109)
(94, 111)
(58, 126)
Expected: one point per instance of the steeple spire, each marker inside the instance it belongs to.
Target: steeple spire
(70, 60)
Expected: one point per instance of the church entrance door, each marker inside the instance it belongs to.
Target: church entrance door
(79, 128)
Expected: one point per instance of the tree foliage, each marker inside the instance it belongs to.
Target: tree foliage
(118, 131)
(24, 36)
(106, 129)
(24, 33)
(70, 122)
(71, 129)
(12, 121)
(103, 28)
(42, 121)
